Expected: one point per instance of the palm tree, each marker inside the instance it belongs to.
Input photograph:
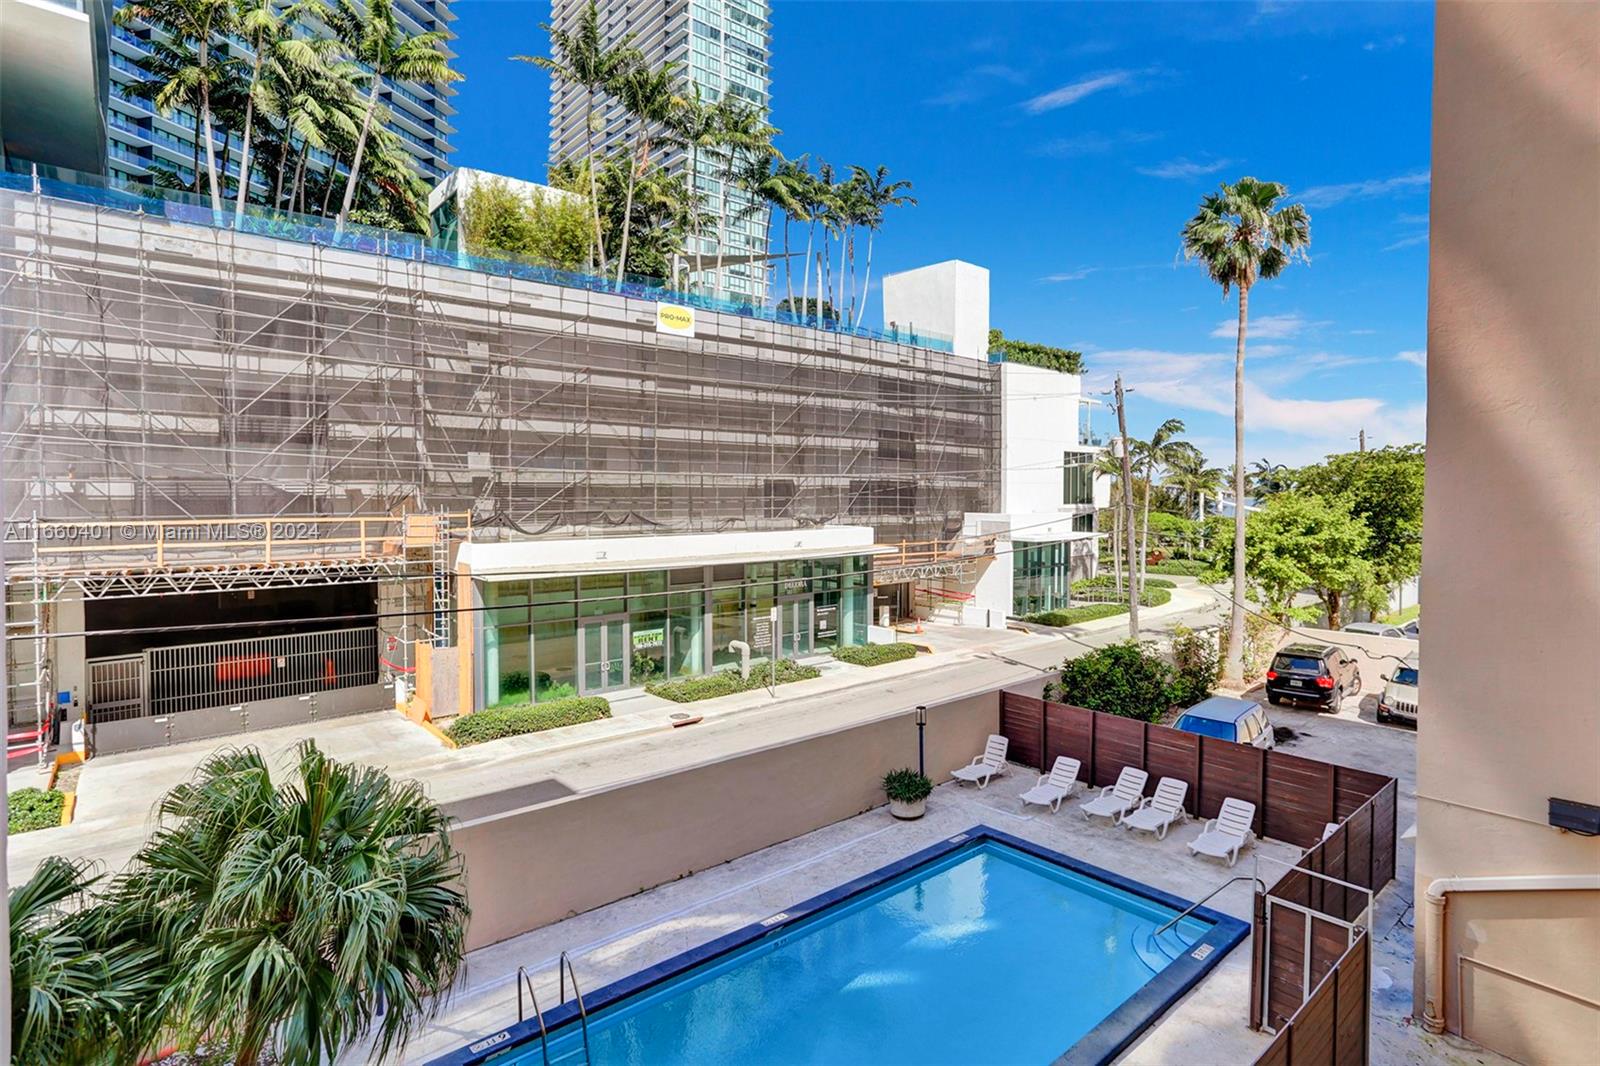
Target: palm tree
(792, 196)
(300, 917)
(650, 96)
(76, 991)
(271, 32)
(1110, 465)
(373, 36)
(1192, 478)
(768, 180)
(192, 25)
(877, 193)
(695, 127)
(582, 58)
(320, 106)
(816, 195)
(1153, 454)
(1266, 478)
(742, 132)
(1240, 235)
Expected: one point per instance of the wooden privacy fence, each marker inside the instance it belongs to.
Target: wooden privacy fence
(1331, 1027)
(1295, 797)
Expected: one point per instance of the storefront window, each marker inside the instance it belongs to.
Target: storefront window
(687, 642)
(555, 660)
(727, 624)
(507, 644)
(600, 594)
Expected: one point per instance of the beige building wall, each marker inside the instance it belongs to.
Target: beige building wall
(1511, 555)
(532, 866)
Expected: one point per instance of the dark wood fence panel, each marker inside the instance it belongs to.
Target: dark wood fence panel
(1311, 1036)
(1277, 1053)
(1069, 731)
(1354, 787)
(1352, 1011)
(1118, 742)
(1299, 798)
(1021, 720)
(1236, 770)
(1173, 753)
(1385, 833)
(1286, 964)
(1330, 1028)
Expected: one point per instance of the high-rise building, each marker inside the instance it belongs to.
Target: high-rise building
(721, 46)
(139, 138)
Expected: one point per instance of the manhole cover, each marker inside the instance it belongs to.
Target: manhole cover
(678, 715)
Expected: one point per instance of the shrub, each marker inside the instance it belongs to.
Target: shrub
(1196, 664)
(727, 682)
(34, 808)
(874, 654)
(1071, 616)
(1261, 638)
(1107, 581)
(1127, 679)
(1180, 567)
(906, 786)
(497, 722)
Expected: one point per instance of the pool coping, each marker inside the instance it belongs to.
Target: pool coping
(1108, 1039)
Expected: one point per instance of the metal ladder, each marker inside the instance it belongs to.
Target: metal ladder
(525, 984)
(565, 966)
(440, 562)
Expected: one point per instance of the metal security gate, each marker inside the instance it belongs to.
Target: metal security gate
(197, 691)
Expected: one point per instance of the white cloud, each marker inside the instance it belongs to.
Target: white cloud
(1385, 44)
(1267, 327)
(1183, 168)
(1362, 332)
(1407, 242)
(1328, 195)
(1072, 92)
(1093, 143)
(1070, 275)
(1415, 358)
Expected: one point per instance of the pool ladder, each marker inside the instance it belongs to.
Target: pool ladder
(525, 983)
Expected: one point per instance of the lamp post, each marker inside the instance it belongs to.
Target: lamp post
(922, 725)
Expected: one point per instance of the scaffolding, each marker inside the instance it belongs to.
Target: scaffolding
(164, 376)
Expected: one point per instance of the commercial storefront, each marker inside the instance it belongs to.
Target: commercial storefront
(1043, 572)
(562, 618)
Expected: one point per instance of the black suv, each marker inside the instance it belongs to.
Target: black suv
(1317, 673)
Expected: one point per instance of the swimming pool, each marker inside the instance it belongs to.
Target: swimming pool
(983, 948)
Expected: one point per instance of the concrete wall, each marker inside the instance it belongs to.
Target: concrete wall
(949, 299)
(1510, 551)
(534, 865)
(1039, 422)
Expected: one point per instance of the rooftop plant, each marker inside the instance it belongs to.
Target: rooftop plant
(1029, 353)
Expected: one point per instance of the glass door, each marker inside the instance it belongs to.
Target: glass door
(604, 648)
(794, 620)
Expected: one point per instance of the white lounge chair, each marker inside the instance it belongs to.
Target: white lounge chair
(1116, 800)
(1226, 834)
(990, 764)
(1057, 785)
(1157, 813)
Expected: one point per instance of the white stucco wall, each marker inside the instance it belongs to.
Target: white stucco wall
(1039, 422)
(949, 299)
(607, 554)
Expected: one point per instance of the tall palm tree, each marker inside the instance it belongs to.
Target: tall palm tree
(695, 126)
(817, 198)
(77, 992)
(651, 97)
(193, 26)
(1153, 455)
(1265, 478)
(374, 37)
(1110, 465)
(582, 58)
(792, 197)
(270, 29)
(1242, 234)
(298, 917)
(768, 181)
(742, 132)
(317, 105)
(877, 194)
(1192, 478)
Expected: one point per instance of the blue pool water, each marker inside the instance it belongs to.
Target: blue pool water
(986, 955)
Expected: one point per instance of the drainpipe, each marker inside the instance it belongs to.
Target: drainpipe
(1433, 957)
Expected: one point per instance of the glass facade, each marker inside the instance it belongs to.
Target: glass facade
(552, 637)
(1077, 479)
(1041, 576)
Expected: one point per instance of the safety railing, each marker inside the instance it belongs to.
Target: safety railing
(191, 677)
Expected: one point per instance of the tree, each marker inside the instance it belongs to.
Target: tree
(1127, 679)
(582, 58)
(270, 30)
(742, 132)
(374, 37)
(650, 97)
(816, 198)
(1193, 479)
(193, 26)
(1266, 478)
(555, 230)
(1384, 488)
(1152, 455)
(877, 194)
(772, 184)
(298, 917)
(795, 204)
(695, 126)
(1240, 235)
(76, 990)
(1298, 540)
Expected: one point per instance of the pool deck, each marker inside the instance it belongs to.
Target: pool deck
(613, 941)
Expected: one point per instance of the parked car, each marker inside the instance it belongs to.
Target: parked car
(1399, 699)
(1379, 629)
(1226, 718)
(1316, 673)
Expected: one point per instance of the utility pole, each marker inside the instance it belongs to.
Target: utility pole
(1127, 505)
(1362, 438)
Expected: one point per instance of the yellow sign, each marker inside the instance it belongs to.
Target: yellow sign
(671, 318)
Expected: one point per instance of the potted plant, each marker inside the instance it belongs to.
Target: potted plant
(908, 792)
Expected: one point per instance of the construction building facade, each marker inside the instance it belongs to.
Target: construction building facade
(262, 475)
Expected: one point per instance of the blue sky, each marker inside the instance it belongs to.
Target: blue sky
(1062, 146)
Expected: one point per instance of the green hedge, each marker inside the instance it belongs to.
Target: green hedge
(1071, 616)
(1107, 581)
(497, 722)
(874, 654)
(727, 682)
(1180, 567)
(34, 808)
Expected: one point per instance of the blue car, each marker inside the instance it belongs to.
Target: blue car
(1228, 718)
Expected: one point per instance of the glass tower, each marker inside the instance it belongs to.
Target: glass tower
(721, 46)
(139, 138)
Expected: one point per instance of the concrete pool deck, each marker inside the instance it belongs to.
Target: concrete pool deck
(620, 938)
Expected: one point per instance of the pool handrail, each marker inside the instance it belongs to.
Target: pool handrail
(1260, 887)
(564, 966)
(523, 980)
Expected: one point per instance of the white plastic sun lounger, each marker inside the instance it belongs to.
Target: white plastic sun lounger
(990, 764)
(1157, 813)
(1227, 833)
(1055, 786)
(1116, 800)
